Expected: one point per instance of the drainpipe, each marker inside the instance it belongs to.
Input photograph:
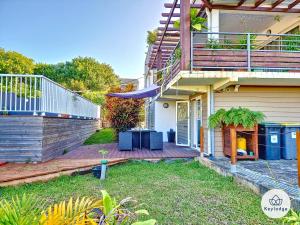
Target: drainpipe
(212, 131)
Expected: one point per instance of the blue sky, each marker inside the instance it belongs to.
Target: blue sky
(112, 31)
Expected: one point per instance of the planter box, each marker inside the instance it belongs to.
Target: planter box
(251, 135)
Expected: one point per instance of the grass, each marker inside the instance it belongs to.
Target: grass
(174, 193)
(104, 136)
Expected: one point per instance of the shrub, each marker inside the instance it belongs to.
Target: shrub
(123, 114)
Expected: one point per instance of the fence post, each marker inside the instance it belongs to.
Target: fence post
(233, 168)
(201, 142)
(249, 52)
(298, 154)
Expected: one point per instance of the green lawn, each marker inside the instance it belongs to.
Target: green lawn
(174, 193)
(106, 135)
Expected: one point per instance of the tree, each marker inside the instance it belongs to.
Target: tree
(123, 114)
(84, 75)
(15, 63)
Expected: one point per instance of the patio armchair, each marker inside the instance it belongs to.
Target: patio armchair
(125, 141)
(153, 140)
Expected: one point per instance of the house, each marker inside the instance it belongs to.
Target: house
(125, 81)
(249, 56)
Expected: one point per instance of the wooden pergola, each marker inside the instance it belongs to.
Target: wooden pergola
(168, 37)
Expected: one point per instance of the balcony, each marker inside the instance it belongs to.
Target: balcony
(38, 95)
(251, 52)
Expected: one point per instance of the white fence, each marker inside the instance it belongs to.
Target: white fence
(37, 94)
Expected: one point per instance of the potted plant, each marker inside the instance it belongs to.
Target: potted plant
(100, 171)
(244, 122)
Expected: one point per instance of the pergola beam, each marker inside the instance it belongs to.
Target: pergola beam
(165, 22)
(168, 14)
(278, 2)
(258, 3)
(207, 4)
(259, 9)
(292, 5)
(169, 5)
(241, 2)
(169, 34)
(166, 27)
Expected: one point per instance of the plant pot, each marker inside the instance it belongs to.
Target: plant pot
(97, 171)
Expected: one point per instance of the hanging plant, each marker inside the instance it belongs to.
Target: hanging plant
(237, 117)
(197, 23)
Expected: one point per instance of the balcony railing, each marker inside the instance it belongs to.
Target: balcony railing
(38, 95)
(245, 52)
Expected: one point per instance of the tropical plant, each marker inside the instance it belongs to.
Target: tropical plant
(292, 219)
(15, 63)
(151, 37)
(123, 113)
(79, 212)
(27, 210)
(197, 23)
(117, 213)
(236, 116)
(20, 211)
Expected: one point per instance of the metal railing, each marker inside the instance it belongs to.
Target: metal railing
(249, 51)
(39, 95)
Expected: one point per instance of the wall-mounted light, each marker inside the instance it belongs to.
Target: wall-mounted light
(166, 105)
(269, 32)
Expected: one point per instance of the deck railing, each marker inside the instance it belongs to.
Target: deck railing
(245, 51)
(38, 95)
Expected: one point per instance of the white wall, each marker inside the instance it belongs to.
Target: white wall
(165, 118)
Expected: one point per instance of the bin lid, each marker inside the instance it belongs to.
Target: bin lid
(290, 124)
(270, 124)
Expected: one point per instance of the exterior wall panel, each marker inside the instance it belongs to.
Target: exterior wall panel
(35, 139)
(278, 104)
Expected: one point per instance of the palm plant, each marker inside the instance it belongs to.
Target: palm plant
(197, 23)
(20, 211)
(79, 212)
(113, 213)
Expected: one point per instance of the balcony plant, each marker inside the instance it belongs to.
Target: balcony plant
(197, 23)
(151, 37)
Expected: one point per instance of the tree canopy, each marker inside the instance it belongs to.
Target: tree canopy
(15, 63)
(84, 75)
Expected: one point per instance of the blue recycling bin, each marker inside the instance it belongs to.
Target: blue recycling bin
(288, 141)
(269, 141)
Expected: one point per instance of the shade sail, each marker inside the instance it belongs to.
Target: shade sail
(151, 91)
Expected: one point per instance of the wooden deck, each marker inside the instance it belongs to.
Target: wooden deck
(82, 159)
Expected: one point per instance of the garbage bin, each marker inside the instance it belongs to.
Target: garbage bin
(269, 141)
(171, 136)
(288, 141)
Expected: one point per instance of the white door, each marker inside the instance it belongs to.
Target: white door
(182, 123)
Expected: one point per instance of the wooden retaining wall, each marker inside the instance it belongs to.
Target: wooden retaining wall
(35, 139)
